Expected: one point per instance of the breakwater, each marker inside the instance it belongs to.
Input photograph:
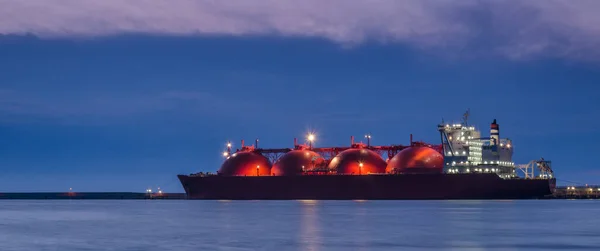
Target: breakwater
(92, 196)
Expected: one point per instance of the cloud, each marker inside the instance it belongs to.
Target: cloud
(513, 28)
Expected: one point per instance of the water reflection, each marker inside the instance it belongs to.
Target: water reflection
(299, 225)
(464, 221)
(361, 216)
(310, 238)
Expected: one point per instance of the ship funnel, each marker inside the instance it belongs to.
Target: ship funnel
(494, 133)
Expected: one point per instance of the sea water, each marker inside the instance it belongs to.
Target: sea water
(299, 225)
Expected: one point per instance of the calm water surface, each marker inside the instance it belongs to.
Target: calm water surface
(299, 225)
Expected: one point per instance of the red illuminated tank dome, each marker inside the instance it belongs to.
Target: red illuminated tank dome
(349, 162)
(294, 161)
(245, 164)
(416, 160)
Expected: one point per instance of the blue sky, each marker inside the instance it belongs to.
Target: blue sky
(122, 109)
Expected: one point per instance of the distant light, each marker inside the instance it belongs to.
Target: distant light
(228, 144)
(311, 137)
(360, 164)
(225, 154)
(257, 167)
(508, 145)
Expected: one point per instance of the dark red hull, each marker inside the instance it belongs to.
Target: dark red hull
(365, 187)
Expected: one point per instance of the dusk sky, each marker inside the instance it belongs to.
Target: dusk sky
(119, 95)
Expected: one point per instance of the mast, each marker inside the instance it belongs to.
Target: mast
(466, 117)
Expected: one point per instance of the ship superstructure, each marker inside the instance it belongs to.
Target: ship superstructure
(466, 150)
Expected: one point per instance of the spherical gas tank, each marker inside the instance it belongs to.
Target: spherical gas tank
(358, 161)
(416, 160)
(295, 162)
(246, 164)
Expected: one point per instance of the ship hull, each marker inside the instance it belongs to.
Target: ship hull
(365, 187)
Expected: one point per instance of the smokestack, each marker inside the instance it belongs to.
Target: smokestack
(256, 144)
(295, 142)
(351, 140)
(494, 133)
(411, 139)
(242, 143)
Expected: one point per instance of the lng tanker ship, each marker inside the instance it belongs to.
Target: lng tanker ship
(464, 166)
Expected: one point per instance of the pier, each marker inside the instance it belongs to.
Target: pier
(576, 192)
